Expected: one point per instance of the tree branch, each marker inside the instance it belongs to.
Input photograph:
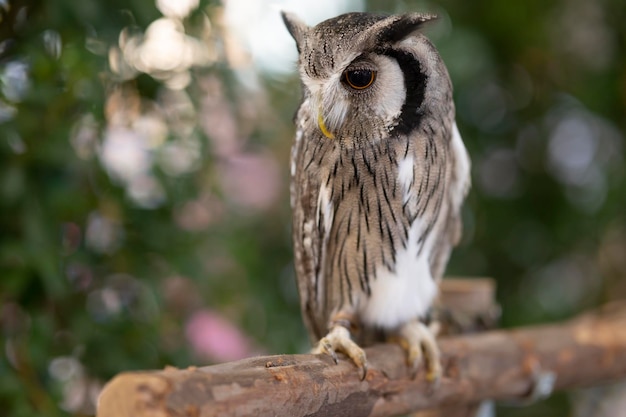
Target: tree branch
(588, 350)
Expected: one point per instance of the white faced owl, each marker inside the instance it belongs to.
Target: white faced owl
(378, 176)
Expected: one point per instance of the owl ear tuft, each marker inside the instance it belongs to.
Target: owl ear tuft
(296, 27)
(403, 26)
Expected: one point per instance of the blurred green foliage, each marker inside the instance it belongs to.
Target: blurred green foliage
(137, 192)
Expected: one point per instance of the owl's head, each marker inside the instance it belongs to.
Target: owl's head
(366, 76)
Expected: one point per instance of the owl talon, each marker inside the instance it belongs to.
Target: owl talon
(363, 371)
(326, 347)
(338, 339)
(418, 340)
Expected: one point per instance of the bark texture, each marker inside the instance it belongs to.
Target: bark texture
(501, 365)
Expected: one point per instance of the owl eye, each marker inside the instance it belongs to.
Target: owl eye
(359, 79)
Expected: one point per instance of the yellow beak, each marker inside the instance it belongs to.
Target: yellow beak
(322, 125)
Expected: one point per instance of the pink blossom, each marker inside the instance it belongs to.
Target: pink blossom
(251, 180)
(215, 338)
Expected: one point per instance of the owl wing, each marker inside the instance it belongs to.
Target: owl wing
(458, 187)
(307, 236)
(460, 180)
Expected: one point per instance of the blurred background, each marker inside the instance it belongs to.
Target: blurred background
(144, 215)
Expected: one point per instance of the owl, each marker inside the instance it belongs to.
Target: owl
(378, 176)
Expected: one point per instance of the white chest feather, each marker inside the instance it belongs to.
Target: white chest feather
(406, 176)
(404, 294)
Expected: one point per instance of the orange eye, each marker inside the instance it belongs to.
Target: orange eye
(359, 79)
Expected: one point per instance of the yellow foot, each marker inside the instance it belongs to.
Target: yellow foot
(419, 342)
(338, 340)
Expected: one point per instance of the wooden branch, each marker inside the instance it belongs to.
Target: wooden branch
(498, 364)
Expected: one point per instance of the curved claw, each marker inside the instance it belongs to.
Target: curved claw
(418, 340)
(325, 346)
(364, 370)
(338, 339)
